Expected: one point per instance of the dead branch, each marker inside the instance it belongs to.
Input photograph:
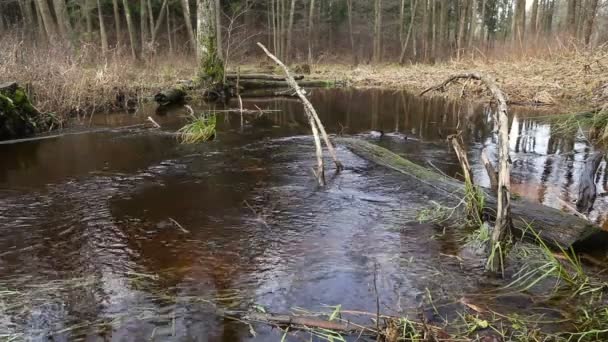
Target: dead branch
(501, 232)
(309, 109)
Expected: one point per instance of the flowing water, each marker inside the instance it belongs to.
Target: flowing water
(123, 234)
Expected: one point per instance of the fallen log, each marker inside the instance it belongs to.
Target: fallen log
(267, 77)
(554, 227)
(271, 84)
(18, 116)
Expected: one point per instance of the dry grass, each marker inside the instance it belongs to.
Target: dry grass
(572, 80)
(81, 82)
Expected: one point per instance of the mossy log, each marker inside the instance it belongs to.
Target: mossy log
(18, 117)
(555, 227)
(175, 95)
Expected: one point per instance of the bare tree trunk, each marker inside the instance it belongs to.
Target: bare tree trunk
(130, 28)
(188, 21)
(377, 51)
(63, 21)
(433, 29)
(483, 21)
(211, 66)
(310, 23)
(169, 30)
(473, 21)
(47, 19)
(159, 20)
(143, 25)
(349, 4)
(102, 30)
(519, 21)
(151, 18)
(571, 16)
(591, 14)
(117, 27)
(533, 18)
(461, 28)
(292, 9)
(409, 31)
(88, 4)
(218, 29)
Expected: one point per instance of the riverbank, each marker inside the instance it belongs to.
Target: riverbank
(569, 82)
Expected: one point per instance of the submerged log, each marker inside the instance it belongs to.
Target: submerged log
(554, 227)
(587, 192)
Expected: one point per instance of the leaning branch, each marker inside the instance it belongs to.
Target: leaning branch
(309, 109)
(501, 233)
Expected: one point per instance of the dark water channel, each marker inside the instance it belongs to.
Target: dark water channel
(89, 247)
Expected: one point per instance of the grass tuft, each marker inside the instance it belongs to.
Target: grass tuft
(200, 128)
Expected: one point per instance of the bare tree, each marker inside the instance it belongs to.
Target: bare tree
(102, 30)
(47, 18)
(117, 25)
(130, 27)
(188, 22)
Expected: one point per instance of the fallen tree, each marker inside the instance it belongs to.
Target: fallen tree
(554, 227)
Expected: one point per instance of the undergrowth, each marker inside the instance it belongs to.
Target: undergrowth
(199, 129)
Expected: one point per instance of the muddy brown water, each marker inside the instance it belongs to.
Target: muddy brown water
(89, 247)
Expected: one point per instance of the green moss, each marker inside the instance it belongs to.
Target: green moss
(211, 66)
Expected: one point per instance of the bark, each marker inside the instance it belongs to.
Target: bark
(556, 228)
(188, 22)
(102, 30)
(150, 18)
(483, 20)
(117, 26)
(47, 19)
(492, 174)
(589, 20)
(130, 28)
(169, 30)
(261, 77)
(211, 66)
(269, 84)
(587, 190)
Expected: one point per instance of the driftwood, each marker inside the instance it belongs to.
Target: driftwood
(587, 192)
(265, 93)
(267, 77)
(554, 227)
(501, 232)
(315, 121)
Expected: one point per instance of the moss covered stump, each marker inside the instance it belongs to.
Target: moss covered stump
(18, 117)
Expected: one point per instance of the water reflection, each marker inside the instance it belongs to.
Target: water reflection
(93, 217)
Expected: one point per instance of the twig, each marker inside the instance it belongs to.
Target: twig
(153, 122)
(184, 230)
